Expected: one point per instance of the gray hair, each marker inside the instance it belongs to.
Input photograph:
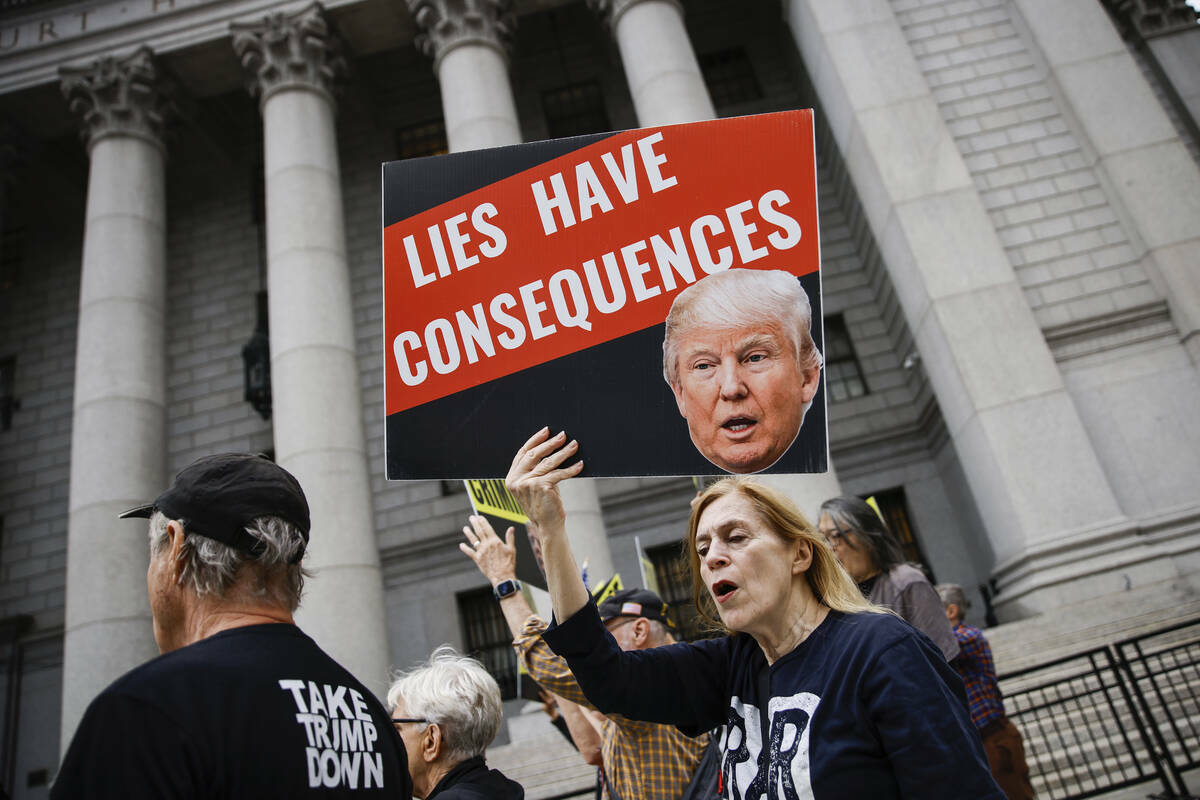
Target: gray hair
(457, 693)
(952, 593)
(735, 299)
(853, 516)
(214, 568)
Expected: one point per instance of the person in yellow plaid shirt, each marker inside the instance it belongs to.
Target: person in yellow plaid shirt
(641, 760)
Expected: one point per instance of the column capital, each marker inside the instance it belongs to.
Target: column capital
(1151, 18)
(611, 10)
(290, 51)
(125, 96)
(447, 24)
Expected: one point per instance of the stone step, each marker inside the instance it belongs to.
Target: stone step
(540, 758)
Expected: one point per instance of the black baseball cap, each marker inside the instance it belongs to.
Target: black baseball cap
(218, 496)
(635, 603)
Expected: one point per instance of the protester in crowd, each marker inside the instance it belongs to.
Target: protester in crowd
(1001, 739)
(447, 712)
(640, 761)
(740, 359)
(242, 704)
(862, 542)
(823, 694)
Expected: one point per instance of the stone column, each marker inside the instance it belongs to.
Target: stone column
(1149, 168)
(292, 61)
(1050, 513)
(660, 65)
(807, 491)
(118, 435)
(468, 41)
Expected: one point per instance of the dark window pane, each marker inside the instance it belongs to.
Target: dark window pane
(843, 375)
(488, 639)
(575, 110)
(12, 251)
(422, 139)
(730, 77)
(8, 383)
(894, 507)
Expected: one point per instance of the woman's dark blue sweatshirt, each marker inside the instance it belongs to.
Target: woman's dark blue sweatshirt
(866, 706)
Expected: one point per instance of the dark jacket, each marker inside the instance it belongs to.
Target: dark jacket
(472, 780)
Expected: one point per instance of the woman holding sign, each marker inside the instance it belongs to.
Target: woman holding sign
(822, 694)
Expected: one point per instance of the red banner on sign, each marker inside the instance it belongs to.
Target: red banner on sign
(590, 246)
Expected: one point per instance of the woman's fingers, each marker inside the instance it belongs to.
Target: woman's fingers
(530, 443)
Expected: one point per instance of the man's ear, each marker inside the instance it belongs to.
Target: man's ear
(677, 390)
(641, 633)
(431, 743)
(803, 557)
(808, 389)
(175, 548)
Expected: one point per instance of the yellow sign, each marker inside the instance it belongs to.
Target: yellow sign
(491, 496)
(608, 589)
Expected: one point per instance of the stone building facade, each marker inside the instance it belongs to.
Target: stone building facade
(1009, 195)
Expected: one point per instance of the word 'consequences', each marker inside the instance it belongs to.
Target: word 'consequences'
(605, 286)
(341, 735)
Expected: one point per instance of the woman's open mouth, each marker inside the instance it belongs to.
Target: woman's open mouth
(723, 590)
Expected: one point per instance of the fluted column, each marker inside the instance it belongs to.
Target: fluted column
(118, 436)
(468, 41)
(293, 61)
(664, 77)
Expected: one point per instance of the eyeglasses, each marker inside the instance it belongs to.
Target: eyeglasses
(624, 621)
(402, 720)
(836, 537)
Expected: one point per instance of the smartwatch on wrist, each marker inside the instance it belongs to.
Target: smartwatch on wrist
(507, 588)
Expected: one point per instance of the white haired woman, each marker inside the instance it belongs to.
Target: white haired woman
(822, 694)
(447, 711)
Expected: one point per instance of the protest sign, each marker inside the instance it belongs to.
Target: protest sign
(491, 500)
(527, 286)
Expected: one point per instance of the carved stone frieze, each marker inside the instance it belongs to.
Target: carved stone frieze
(290, 50)
(126, 96)
(446, 24)
(1152, 18)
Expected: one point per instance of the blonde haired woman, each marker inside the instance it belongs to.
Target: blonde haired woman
(821, 694)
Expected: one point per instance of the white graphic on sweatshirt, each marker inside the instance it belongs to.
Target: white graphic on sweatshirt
(341, 735)
(784, 773)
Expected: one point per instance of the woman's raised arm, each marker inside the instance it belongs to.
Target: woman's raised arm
(533, 479)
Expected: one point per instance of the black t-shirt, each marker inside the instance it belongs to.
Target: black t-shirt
(866, 706)
(252, 712)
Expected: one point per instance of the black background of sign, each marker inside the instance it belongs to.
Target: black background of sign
(611, 397)
(418, 184)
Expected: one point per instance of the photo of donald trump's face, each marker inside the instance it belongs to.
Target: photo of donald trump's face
(741, 361)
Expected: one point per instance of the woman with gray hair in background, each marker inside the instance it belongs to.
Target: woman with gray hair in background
(447, 712)
(862, 542)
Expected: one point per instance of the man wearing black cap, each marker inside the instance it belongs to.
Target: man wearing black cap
(641, 760)
(241, 703)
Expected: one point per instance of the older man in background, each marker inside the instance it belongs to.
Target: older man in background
(242, 704)
(739, 356)
(447, 712)
(640, 760)
(1001, 739)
